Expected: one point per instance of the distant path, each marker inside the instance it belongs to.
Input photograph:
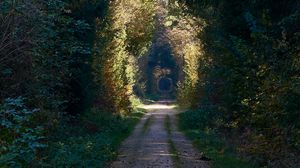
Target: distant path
(156, 143)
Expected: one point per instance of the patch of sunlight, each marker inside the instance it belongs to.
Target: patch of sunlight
(157, 106)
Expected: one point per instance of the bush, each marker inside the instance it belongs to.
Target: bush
(83, 151)
(200, 118)
(19, 140)
(93, 142)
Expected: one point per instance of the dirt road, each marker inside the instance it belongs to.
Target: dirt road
(157, 143)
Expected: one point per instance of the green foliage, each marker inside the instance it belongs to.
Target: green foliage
(249, 70)
(239, 58)
(92, 143)
(41, 58)
(54, 56)
(39, 48)
(195, 125)
(82, 151)
(20, 140)
(183, 30)
(201, 119)
(118, 45)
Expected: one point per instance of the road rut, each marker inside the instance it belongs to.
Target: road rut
(155, 144)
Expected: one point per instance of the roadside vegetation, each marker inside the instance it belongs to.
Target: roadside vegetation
(93, 143)
(214, 146)
(67, 72)
(73, 72)
(247, 92)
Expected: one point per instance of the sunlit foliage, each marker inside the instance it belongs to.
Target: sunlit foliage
(183, 30)
(123, 40)
(250, 73)
(237, 65)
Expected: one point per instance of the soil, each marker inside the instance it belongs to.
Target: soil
(157, 143)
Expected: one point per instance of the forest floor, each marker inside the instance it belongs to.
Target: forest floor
(157, 143)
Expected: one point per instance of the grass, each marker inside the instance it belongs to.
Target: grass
(147, 124)
(222, 155)
(92, 143)
(174, 154)
(168, 124)
(173, 150)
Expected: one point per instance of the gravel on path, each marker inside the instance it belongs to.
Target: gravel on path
(149, 144)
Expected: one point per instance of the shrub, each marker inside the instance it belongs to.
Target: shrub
(19, 140)
(200, 118)
(93, 142)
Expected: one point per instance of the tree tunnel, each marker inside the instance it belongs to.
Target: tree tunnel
(162, 69)
(157, 60)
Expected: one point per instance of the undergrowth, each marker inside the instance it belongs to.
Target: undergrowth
(147, 124)
(168, 124)
(173, 151)
(93, 143)
(194, 125)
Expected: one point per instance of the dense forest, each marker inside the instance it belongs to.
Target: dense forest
(73, 74)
